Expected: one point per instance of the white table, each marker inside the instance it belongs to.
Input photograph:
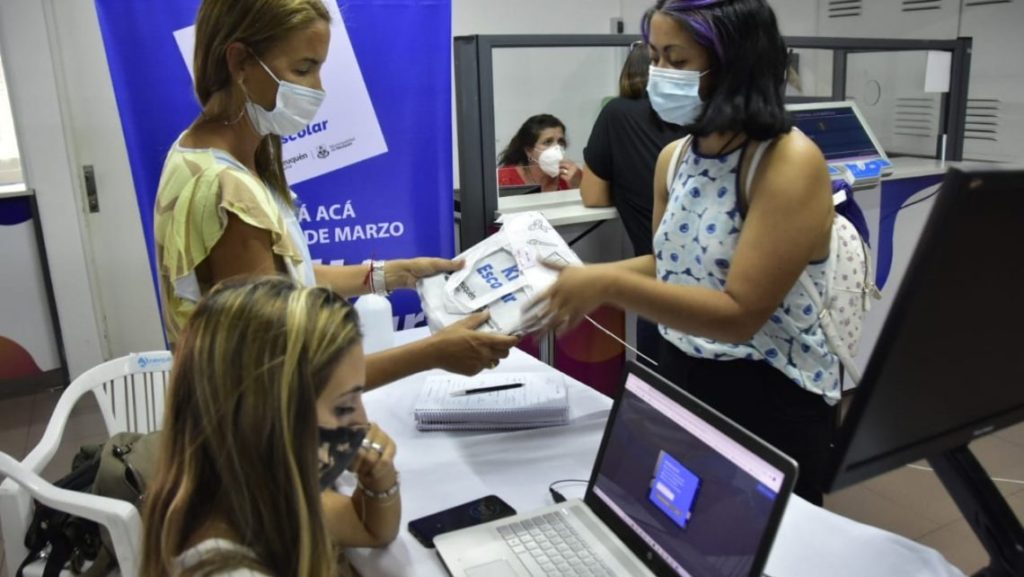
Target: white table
(443, 469)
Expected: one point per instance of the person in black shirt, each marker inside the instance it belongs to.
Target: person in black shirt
(622, 150)
(620, 157)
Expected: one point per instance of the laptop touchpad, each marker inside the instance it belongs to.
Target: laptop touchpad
(498, 568)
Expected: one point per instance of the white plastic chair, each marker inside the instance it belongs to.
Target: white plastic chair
(130, 392)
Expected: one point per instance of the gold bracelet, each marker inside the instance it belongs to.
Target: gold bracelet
(387, 494)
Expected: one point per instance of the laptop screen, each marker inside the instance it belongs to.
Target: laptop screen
(696, 497)
(838, 132)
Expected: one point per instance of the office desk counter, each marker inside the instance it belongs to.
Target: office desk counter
(913, 167)
(443, 469)
(565, 207)
(561, 208)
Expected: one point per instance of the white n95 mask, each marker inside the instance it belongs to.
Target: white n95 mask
(549, 160)
(295, 108)
(675, 94)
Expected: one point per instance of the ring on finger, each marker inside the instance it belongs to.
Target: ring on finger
(368, 444)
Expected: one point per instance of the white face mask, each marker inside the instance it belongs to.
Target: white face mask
(295, 108)
(675, 94)
(549, 160)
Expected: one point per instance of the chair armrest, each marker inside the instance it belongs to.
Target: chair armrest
(120, 518)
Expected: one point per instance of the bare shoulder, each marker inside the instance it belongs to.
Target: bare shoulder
(666, 153)
(665, 156)
(795, 148)
(794, 157)
(794, 169)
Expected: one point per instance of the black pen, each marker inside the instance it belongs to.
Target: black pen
(485, 389)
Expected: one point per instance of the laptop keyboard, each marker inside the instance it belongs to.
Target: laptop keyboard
(551, 543)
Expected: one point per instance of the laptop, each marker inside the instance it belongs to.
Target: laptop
(676, 489)
(844, 137)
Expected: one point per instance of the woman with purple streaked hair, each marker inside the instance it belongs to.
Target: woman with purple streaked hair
(741, 210)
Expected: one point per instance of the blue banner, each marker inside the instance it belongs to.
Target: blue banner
(373, 172)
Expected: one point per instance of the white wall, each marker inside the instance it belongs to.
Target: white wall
(10, 168)
(996, 92)
(29, 63)
(934, 19)
(796, 17)
(533, 16)
(127, 300)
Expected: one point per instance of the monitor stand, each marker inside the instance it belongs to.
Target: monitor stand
(985, 509)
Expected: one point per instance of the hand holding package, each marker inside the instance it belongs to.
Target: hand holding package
(502, 274)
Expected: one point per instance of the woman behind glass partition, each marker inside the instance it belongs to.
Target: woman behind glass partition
(536, 155)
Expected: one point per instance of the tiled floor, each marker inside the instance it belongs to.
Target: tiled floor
(909, 501)
(913, 503)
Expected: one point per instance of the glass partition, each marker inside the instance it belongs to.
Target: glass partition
(569, 83)
(810, 74)
(889, 88)
(10, 159)
(502, 80)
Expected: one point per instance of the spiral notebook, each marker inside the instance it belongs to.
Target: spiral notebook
(542, 401)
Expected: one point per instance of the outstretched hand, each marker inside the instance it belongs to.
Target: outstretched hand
(465, 350)
(577, 291)
(403, 273)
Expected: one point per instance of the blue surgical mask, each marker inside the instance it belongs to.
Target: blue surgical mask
(675, 94)
(294, 109)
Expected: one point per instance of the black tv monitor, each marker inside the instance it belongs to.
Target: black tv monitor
(948, 365)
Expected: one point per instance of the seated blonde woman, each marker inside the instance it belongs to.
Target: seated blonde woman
(257, 430)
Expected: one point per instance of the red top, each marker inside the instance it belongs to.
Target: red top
(513, 176)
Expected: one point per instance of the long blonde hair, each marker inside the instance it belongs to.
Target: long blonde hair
(239, 442)
(258, 24)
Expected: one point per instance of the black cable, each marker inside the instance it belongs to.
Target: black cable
(555, 494)
(585, 233)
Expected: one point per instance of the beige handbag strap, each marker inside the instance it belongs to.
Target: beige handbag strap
(677, 157)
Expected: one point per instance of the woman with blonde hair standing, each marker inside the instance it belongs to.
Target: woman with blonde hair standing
(256, 432)
(224, 207)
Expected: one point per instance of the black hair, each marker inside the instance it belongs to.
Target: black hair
(526, 137)
(748, 64)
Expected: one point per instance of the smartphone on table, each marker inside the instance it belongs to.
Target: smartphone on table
(461, 516)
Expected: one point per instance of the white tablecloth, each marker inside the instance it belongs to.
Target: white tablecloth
(443, 469)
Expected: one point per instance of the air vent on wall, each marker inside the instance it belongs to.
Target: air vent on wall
(919, 5)
(915, 116)
(844, 8)
(969, 3)
(982, 121)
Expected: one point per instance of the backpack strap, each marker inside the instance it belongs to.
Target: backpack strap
(817, 299)
(752, 169)
(805, 280)
(677, 157)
